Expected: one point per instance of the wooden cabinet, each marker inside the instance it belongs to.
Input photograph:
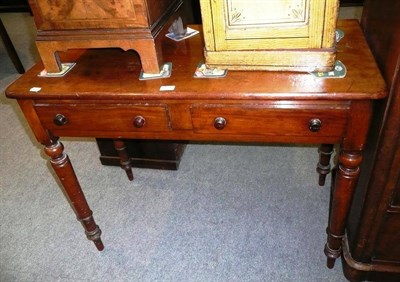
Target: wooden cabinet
(297, 35)
(372, 245)
(126, 24)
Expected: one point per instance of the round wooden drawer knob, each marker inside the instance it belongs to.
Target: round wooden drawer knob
(60, 120)
(314, 125)
(139, 121)
(220, 123)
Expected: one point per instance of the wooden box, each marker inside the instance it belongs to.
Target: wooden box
(293, 35)
(125, 24)
(155, 154)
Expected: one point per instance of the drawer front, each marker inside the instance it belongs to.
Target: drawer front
(82, 14)
(88, 118)
(268, 120)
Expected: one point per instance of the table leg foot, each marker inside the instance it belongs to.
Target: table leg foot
(331, 254)
(95, 237)
(330, 263)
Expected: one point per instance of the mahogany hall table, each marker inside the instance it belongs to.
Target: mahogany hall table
(102, 97)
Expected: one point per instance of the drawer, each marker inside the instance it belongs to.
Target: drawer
(275, 120)
(88, 118)
(81, 14)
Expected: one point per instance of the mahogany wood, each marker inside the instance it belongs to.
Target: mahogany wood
(104, 102)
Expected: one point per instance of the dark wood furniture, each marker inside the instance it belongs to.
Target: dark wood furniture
(110, 102)
(373, 238)
(11, 6)
(143, 153)
(10, 49)
(351, 2)
(126, 24)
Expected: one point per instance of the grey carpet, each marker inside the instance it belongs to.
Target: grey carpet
(230, 213)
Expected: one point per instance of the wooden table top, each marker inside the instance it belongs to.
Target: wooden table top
(113, 74)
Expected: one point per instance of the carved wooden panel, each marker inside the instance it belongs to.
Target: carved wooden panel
(277, 26)
(266, 12)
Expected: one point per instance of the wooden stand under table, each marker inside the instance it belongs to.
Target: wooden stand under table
(108, 101)
(156, 154)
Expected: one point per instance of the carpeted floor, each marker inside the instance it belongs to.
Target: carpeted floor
(230, 213)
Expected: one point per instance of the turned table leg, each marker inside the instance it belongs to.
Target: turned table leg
(324, 167)
(124, 159)
(342, 195)
(72, 190)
